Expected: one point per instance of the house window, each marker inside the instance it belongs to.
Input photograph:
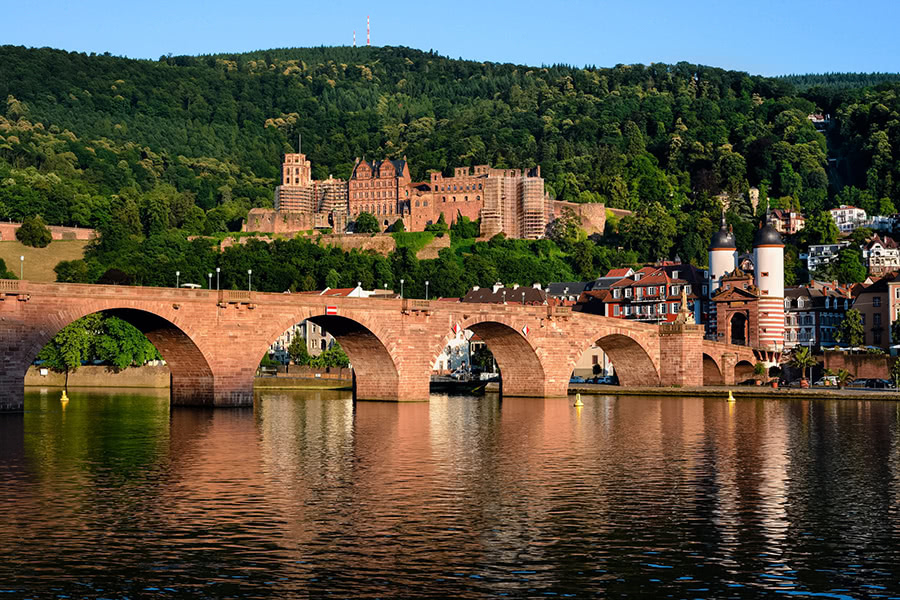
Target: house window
(615, 310)
(876, 301)
(628, 292)
(876, 337)
(616, 294)
(876, 320)
(687, 289)
(651, 290)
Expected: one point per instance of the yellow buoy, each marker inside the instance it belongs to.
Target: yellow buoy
(578, 401)
(730, 396)
(64, 398)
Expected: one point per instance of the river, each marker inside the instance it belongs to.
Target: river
(309, 494)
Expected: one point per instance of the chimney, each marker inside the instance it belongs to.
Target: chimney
(497, 287)
(475, 288)
(536, 286)
(515, 286)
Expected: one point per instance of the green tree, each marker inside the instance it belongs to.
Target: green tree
(121, 345)
(367, 223)
(803, 359)
(849, 267)
(851, 332)
(297, 350)
(397, 227)
(895, 372)
(565, 229)
(72, 345)
(34, 232)
(72, 271)
(439, 228)
(821, 229)
(861, 235)
(332, 279)
(895, 331)
(483, 359)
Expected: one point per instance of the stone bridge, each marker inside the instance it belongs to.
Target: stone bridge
(213, 341)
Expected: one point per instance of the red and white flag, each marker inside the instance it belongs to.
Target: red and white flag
(331, 310)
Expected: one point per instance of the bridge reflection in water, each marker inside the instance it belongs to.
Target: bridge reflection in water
(214, 341)
(311, 493)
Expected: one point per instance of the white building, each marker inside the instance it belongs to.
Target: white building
(881, 255)
(848, 218)
(455, 355)
(820, 255)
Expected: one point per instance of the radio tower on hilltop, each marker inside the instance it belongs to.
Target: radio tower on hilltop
(368, 32)
(354, 38)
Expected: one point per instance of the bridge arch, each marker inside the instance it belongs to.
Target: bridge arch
(712, 373)
(743, 370)
(522, 371)
(632, 362)
(366, 343)
(192, 379)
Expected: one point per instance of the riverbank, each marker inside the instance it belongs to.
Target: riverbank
(738, 392)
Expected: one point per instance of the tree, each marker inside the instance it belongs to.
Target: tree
(564, 229)
(297, 350)
(439, 228)
(398, 226)
(367, 223)
(820, 228)
(861, 235)
(483, 359)
(34, 232)
(121, 345)
(849, 267)
(851, 331)
(844, 377)
(332, 279)
(72, 271)
(895, 372)
(71, 346)
(803, 359)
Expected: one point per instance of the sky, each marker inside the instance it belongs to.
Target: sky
(764, 37)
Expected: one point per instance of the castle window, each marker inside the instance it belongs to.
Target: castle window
(764, 274)
(466, 198)
(454, 198)
(443, 198)
(477, 198)
(425, 203)
(417, 203)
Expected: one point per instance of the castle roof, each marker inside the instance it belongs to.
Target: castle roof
(767, 235)
(723, 239)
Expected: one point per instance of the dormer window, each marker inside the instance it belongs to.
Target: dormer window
(616, 293)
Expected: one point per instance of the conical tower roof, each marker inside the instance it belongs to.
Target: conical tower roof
(723, 239)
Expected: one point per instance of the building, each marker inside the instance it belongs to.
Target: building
(813, 313)
(749, 309)
(380, 188)
(501, 294)
(881, 255)
(786, 222)
(651, 294)
(875, 304)
(848, 218)
(317, 339)
(509, 201)
(820, 255)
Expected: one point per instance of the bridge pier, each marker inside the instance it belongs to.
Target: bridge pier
(681, 354)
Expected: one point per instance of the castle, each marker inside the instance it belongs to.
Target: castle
(509, 201)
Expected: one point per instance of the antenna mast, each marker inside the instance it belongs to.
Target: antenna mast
(354, 38)
(368, 32)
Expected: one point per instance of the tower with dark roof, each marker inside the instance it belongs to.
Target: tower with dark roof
(722, 256)
(768, 277)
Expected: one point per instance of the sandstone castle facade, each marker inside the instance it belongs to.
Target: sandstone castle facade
(509, 201)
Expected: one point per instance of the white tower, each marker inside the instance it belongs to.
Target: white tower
(768, 276)
(722, 256)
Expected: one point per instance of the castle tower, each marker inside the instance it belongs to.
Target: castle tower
(722, 256)
(768, 277)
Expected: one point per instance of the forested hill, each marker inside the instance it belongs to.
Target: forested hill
(193, 142)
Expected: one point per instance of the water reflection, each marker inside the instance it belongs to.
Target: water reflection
(116, 494)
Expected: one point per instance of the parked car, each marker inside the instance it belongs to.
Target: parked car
(576, 379)
(827, 381)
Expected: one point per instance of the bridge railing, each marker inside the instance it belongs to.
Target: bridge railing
(10, 285)
(234, 296)
(416, 304)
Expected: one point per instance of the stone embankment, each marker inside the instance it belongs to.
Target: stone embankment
(100, 376)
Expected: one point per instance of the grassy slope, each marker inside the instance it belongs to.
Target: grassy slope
(39, 262)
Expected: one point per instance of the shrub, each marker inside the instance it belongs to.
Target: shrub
(34, 232)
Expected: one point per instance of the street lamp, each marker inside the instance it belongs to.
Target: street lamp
(523, 297)
(209, 287)
(217, 278)
(426, 290)
(21, 267)
(249, 286)
(177, 278)
(401, 289)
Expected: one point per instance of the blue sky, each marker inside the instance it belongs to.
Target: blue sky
(760, 36)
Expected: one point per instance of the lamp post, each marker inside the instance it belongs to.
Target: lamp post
(523, 297)
(209, 287)
(21, 267)
(426, 290)
(401, 289)
(177, 278)
(217, 278)
(249, 285)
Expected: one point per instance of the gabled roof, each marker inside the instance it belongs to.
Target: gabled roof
(735, 293)
(624, 272)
